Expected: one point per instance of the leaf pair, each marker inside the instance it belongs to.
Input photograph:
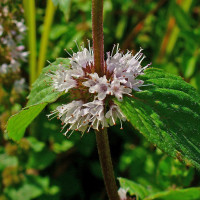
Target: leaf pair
(167, 112)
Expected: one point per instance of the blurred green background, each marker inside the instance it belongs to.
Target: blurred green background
(45, 165)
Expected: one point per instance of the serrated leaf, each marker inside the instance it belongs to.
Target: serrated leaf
(41, 94)
(183, 194)
(167, 113)
(133, 188)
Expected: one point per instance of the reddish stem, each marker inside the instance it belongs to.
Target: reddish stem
(101, 136)
(97, 35)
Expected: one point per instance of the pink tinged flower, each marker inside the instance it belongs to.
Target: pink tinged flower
(133, 83)
(118, 90)
(70, 114)
(93, 80)
(98, 85)
(113, 62)
(80, 116)
(82, 58)
(115, 113)
(62, 80)
(95, 113)
(77, 73)
(122, 194)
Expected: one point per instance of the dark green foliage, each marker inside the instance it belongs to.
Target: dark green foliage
(69, 169)
(168, 114)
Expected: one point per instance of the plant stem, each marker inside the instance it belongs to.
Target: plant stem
(101, 136)
(97, 35)
(49, 14)
(30, 6)
(106, 163)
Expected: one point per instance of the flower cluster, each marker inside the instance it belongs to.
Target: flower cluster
(12, 30)
(93, 106)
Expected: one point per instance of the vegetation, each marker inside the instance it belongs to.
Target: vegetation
(41, 163)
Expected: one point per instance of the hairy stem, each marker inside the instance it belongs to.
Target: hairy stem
(97, 35)
(101, 136)
(106, 164)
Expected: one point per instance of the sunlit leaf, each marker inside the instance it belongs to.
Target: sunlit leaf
(41, 94)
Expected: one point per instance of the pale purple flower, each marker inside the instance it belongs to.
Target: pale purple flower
(118, 89)
(99, 85)
(95, 107)
(82, 58)
(115, 113)
(61, 80)
(80, 116)
(95, 114)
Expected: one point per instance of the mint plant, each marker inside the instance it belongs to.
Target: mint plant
(163, 107)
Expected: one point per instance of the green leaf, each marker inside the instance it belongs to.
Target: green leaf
(32, 187)
(133, 188)
(42, 91)
(41, 94)
(183, 194)
(40, 160)
(167, 113)
(7, 161)
(18, 123)
(35, 144)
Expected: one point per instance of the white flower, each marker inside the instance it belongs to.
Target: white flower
(82, 58)
(94, 79)
(94, 109)
(62, 81)
(122, 194)
(77, 73)
(70, 114)
(113, 114)
(98, 85)
(94, 112)
(118, 89)
(126, 68)
(80, 116)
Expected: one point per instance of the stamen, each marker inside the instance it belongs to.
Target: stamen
(77, 45)
(113, 50)
(70, 134)
(49, 62)
(68, 53)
